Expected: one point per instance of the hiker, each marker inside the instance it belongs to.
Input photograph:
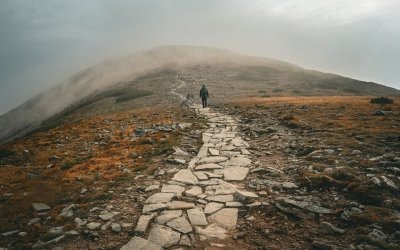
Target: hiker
(204, 95)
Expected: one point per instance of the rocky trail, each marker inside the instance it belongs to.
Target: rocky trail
(204, 201)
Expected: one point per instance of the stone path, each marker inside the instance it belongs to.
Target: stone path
(203, 201)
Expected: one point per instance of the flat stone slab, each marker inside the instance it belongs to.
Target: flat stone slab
(220, 198)
(197, 217)
(160, 197)
(211, 182)
(213, 175)
(239, 161)
(213, 231)
(137, 243)
(185, 241)
(40, 207)
(163, 236)
(227, 147)
(178, 190)
(201, 175)
(204, 149)
(245, 151)
(238, 142)
(180, 205)
(219, 136)
(208, 166)
(233, 204)
(151, 188)
(235, 173)
(185, 176)
(143, 224)
(223, 188)
(180, 224)
(212, 159)
(245, 196)
(194, 191)
(167, 216)
(213, 151)
(230, 153)
(148, 208)
(213, 207)
(225, 218)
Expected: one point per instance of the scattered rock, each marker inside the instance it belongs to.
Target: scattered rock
(68, 211)
(217, 245)
(23, 234)
(93, 225)
(40, 207)
(33, 221)
(331, 229)
(322, 245)
(308, 206)
(245, 196)
(377, 236)
(180, 152)
(176, 161)
(10, 233)
(389, 183)
(107, 216)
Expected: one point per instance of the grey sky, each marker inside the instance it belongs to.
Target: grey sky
(42, 42)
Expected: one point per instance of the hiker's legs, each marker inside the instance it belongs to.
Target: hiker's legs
(204, 101)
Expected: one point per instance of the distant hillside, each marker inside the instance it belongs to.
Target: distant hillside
(153, 72)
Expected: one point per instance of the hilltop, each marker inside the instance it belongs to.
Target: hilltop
(118, 84)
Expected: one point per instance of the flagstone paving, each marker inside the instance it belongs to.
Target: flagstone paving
(202, 201)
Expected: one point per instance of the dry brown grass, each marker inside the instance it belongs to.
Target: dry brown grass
(81, 161)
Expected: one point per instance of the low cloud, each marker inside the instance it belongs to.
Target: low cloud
(44, 42)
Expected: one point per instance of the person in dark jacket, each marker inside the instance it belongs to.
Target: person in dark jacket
(204, 95)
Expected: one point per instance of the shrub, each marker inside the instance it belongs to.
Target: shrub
(381, 100)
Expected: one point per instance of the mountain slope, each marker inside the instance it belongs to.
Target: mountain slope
(226, 73)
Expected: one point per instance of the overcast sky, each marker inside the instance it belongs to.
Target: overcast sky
(42, 42)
